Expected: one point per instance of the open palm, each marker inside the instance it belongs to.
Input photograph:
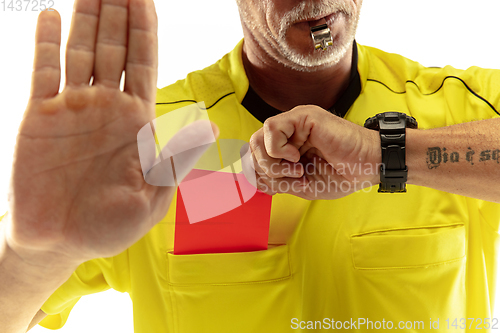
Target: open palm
(77, 187)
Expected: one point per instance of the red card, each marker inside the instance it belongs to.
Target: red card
(219, 212)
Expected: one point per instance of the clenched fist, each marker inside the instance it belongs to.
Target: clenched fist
(313, 154)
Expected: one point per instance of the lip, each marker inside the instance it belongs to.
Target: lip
(326, 17)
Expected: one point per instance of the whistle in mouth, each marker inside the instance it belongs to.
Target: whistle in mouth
(322, 37)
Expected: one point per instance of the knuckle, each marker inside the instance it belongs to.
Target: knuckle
(80, 47)
(304, 109)
(299, 108)
(105, 98)
(254, 141)
(110, 43)
(75, 98)
(269, 124)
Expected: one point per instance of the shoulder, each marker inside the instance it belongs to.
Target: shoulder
(207, 85)
(396, 72)
(471, 93)
(390, 69)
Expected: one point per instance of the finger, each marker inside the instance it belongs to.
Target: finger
(272, 185)
(263, 186)
(142, 59)
(262, 182)
(274, 168)
(290, 134)
(323, 180)
(276, 134)
(271, 167)
(80, 51)
(262, 162)
(286, 185)
(315, 158)
(111, 46)
(317, 169)
(250, 173)
(47, 63)
(300, 117)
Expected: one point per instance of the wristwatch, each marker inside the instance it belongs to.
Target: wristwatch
(392, 127)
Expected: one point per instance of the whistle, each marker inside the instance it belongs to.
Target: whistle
(322, 37)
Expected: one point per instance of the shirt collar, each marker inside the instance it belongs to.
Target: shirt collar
(261, 110)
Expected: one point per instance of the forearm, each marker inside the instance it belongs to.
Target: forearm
(24, 288)
(462, 159)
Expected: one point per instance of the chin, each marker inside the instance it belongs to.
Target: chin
(312, 60)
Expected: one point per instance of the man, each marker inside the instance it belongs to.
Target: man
(80, 208)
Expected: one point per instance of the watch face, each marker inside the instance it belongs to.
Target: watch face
(390, 116)
(373, 122)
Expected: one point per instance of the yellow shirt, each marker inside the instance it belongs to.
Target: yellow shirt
(382, 257)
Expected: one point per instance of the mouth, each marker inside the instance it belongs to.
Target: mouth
(318, 19)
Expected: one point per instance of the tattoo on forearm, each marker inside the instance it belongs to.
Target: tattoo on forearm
(469, 155)
(437, 156)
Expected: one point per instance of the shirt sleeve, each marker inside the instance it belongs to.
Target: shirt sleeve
(90, 277)
(484, 84)
(87, 279)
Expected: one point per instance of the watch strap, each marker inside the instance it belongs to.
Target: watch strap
(392, 127)
(393, 171)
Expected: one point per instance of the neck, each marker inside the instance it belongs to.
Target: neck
(284, 88)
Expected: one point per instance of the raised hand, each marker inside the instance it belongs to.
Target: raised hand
(77, 188)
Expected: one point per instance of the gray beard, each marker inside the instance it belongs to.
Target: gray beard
(279, 49)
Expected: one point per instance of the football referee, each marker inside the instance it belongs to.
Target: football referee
(380, 172)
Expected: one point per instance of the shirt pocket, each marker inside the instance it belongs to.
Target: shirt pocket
(410, 273)
(229, 268)
(412, 247)
(225, 291)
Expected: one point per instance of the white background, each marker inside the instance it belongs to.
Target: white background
(434, 32)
